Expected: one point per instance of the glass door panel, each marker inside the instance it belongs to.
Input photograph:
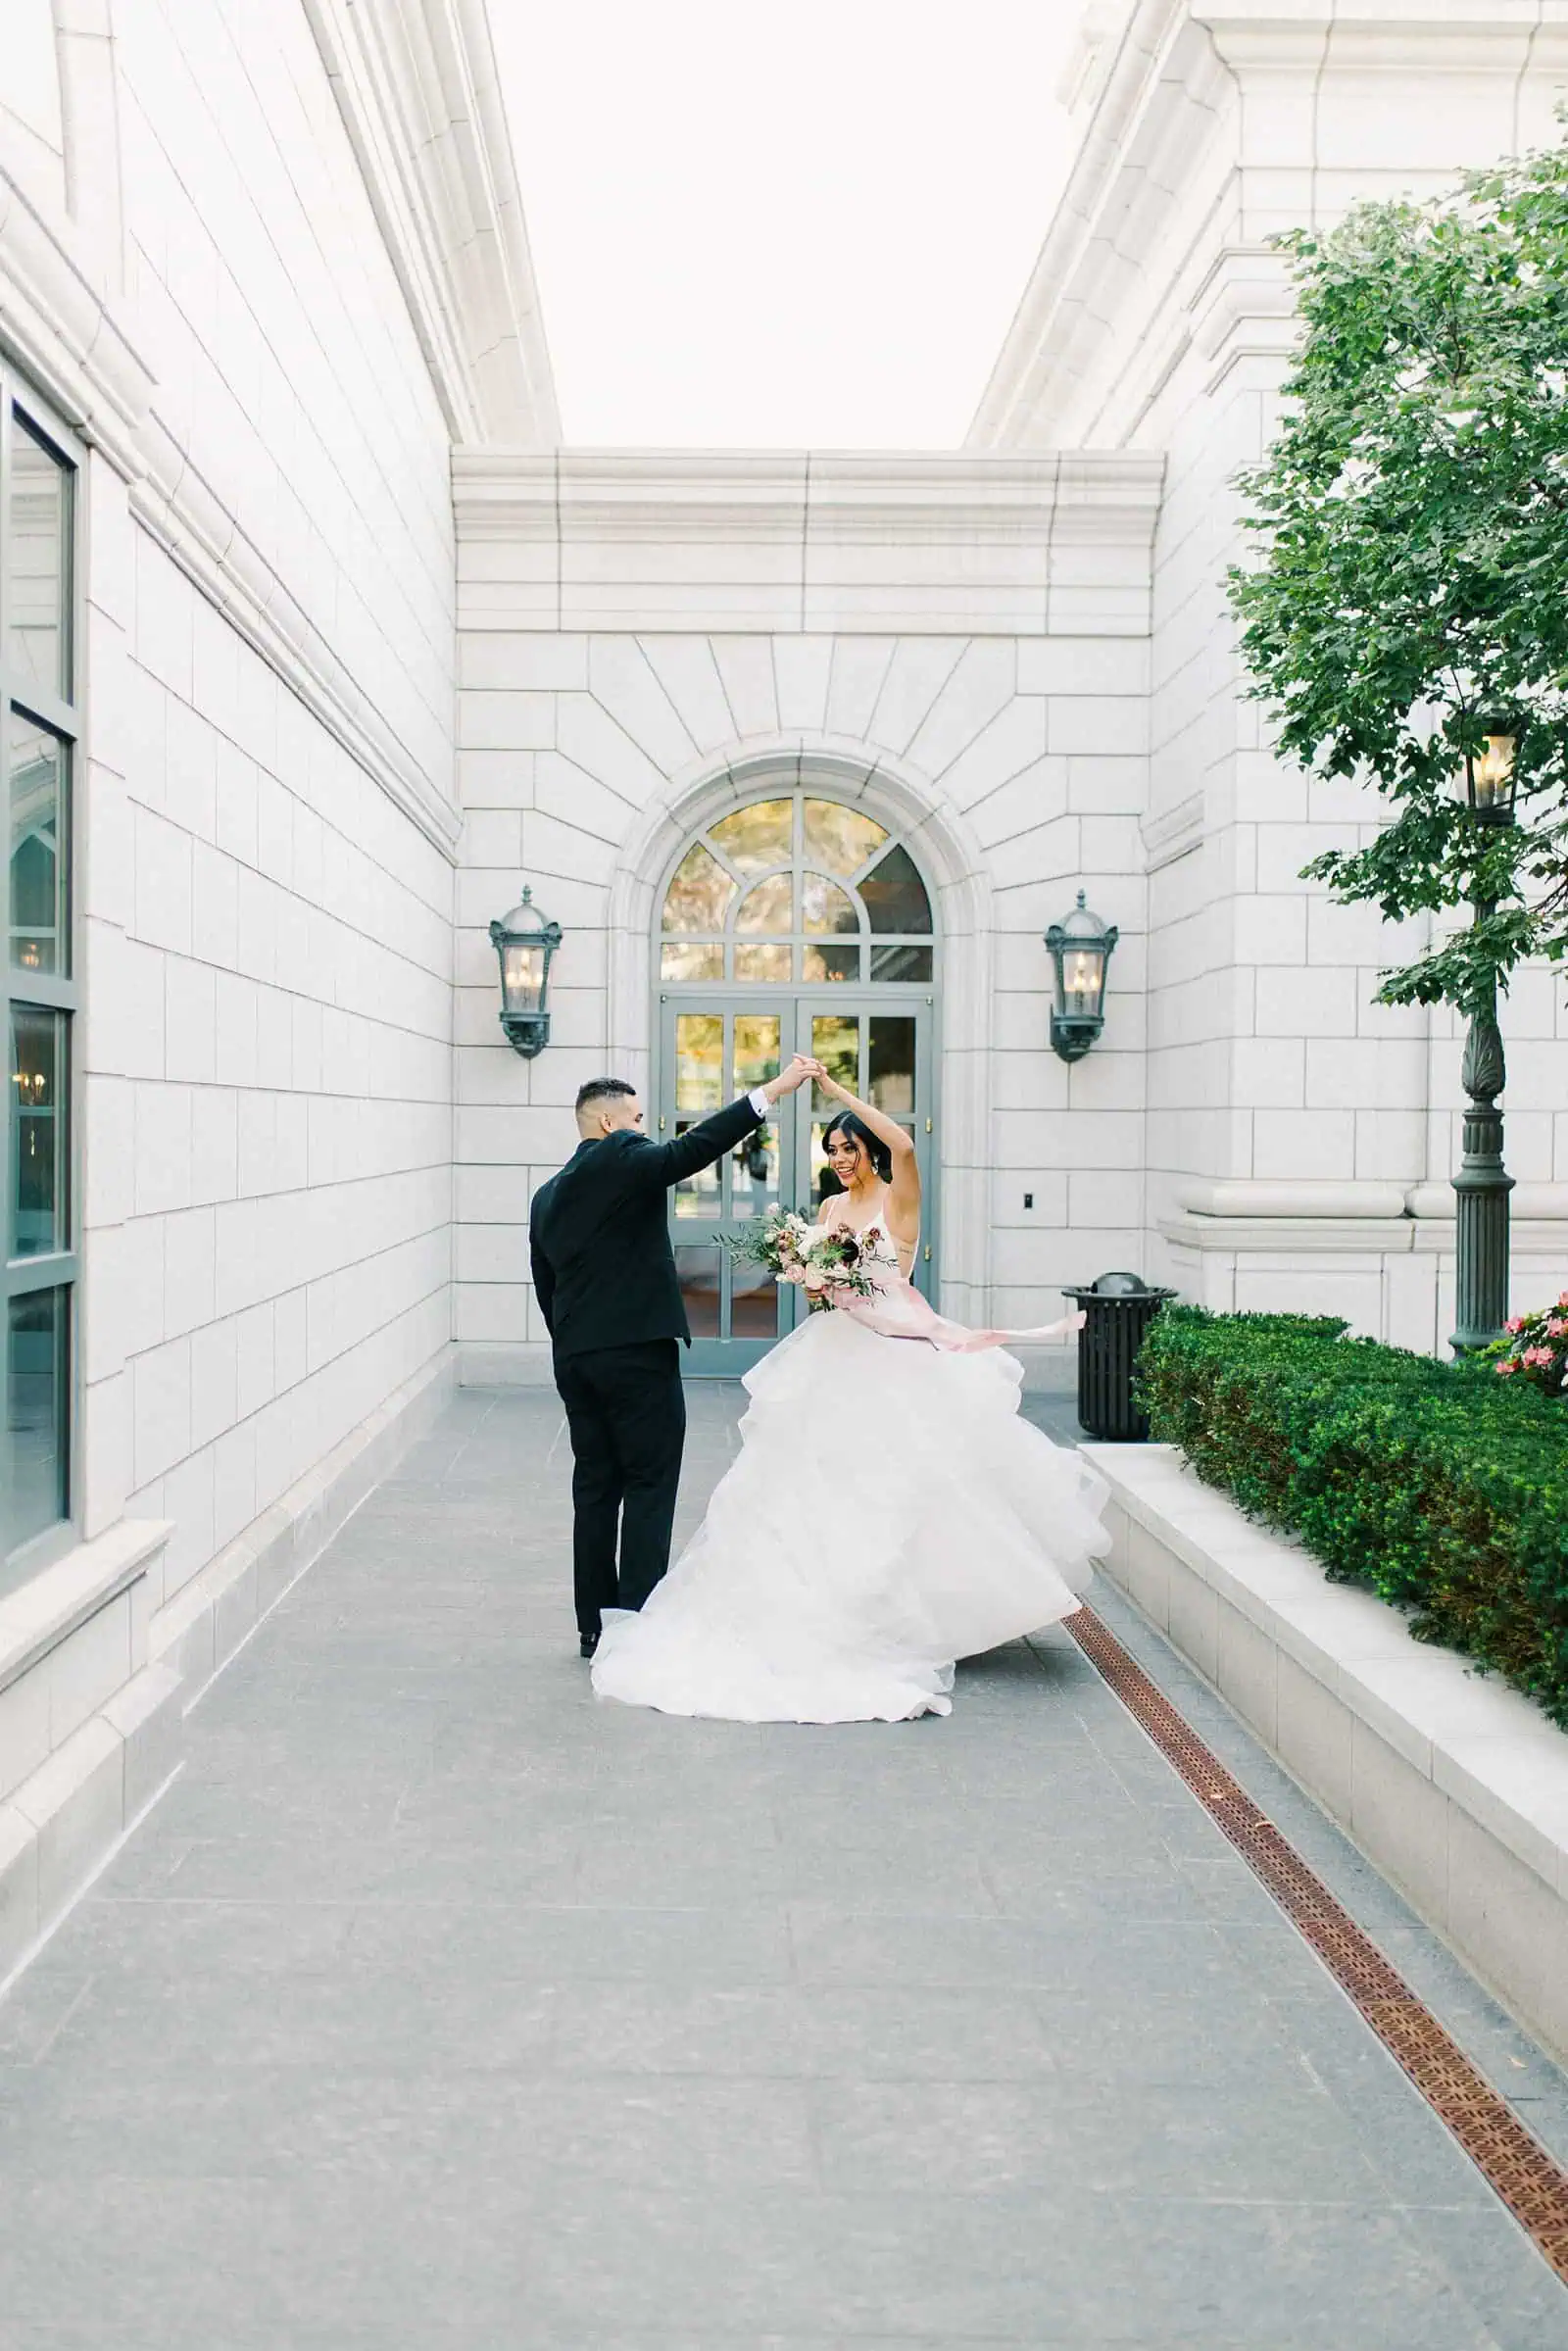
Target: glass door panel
(884, 1057)
(713, 1048)
(699, 1272)
(699, 1067)
(753, 1170)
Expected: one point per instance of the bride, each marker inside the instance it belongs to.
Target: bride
(889, 1512)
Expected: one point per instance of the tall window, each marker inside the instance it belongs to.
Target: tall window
(796, 888)
(38, 660)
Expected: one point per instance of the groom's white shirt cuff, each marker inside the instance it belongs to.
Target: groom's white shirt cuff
(760, 1101)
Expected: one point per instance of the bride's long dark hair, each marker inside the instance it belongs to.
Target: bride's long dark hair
(877, 1152)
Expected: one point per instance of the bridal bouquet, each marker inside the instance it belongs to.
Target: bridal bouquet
(817, 1258)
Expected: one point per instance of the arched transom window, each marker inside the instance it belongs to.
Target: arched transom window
(795, 889)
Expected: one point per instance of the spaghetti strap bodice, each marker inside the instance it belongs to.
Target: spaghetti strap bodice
(882, 1248)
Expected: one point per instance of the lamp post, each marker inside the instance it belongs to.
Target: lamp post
(1482, 1184)
(1081, 951)
(526, 940)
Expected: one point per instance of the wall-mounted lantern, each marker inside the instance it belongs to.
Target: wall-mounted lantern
(1490, 780)
(1081, 951)
(525, 940)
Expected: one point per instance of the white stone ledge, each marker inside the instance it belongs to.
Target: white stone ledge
(64, 1821)
(1453, 1783)
(43, 1612)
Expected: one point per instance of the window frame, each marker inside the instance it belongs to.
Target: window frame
(61, 716)
(795, 939)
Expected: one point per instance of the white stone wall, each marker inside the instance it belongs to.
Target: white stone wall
(588, 752)
(1300, 1136)
(32, 133)
(267, 896)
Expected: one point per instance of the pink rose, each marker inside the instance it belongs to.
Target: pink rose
(1557, 1327)
(1515, 1322)
(1541, 1356)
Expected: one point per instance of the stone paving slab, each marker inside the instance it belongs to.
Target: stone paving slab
(441, 2005)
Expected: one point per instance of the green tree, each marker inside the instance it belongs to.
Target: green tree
(1411, 591)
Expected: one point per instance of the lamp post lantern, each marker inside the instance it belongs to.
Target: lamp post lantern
(1081, 951)
(524, 940)
(1482, 1184)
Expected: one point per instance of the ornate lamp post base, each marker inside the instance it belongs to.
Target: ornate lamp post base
(1482, 1185)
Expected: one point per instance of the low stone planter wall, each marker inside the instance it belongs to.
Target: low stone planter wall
(1455, 1785)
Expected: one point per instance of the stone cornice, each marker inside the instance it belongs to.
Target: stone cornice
(804, 497)
(415, 82)
(63, 330)
(1161, 90)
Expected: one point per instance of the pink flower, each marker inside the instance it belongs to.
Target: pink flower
(1541, 1356)
(1505, 1367)
(1515, 1322)
(1557, 1327)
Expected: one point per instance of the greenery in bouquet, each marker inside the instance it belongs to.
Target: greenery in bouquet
(1533, 1348)
(817, 1258)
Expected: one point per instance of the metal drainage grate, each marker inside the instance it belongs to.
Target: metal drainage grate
(1530, 2182)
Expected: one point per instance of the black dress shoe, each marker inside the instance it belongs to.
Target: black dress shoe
(587, 1642)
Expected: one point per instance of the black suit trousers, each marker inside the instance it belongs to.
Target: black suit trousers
(626, 1412)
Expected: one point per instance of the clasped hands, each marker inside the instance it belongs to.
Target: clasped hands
(792, 1078)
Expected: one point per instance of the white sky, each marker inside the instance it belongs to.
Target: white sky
(799, 224)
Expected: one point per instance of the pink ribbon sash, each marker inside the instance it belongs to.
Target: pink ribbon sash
(901, 1313)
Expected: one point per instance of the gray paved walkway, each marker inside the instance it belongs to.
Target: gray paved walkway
(438, 2005)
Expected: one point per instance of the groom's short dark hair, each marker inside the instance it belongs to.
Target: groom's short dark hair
(599, 1090)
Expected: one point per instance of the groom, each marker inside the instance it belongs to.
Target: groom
(605, 1276)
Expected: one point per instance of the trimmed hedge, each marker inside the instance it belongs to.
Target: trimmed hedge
(1440, 1486)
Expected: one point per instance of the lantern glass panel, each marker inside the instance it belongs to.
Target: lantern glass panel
(1493, 773)
(522, 974)
(1083, 981)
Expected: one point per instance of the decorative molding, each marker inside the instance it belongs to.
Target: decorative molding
(416, 84)
(1164, 104)
(65, 334)
(1254, 1196)
(63, 330)
(1528, 1203)
(806, 497)
(1173, 833)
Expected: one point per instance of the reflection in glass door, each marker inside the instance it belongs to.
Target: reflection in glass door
(714, 1048)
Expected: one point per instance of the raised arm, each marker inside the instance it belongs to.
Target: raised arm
(655, 1166)
(903, 1189)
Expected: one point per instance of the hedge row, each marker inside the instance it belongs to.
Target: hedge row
(1441, 1487)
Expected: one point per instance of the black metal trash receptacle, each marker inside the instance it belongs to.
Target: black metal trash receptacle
(1120, 1307)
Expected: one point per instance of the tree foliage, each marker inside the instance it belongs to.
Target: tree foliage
(1412, 519)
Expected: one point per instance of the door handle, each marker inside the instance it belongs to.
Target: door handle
(928, 1252)
(660, 1126)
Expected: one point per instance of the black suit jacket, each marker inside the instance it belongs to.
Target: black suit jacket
(599, 1235)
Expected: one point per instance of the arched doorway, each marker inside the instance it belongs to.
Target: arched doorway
(795, 923)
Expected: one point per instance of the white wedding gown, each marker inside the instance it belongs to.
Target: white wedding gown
(889, 1512)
